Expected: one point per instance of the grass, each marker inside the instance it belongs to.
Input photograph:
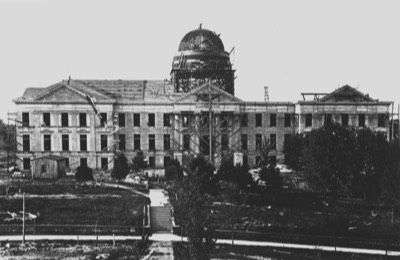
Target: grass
(305, 213)
(56, 187)
(125, 210)
(70, 250)
(79, 205)
(254, 252)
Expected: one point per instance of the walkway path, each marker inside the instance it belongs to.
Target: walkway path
(158, 197)
(160, 250)
(162, 242)
(175, 238)
(124, 187)
(160, 212)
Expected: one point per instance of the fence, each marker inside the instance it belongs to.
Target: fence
(72, 230)
(392, 243)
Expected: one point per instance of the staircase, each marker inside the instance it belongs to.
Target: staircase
(160, 218)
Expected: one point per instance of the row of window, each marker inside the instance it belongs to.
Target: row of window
(345, 120)
(103, 142)
(26, 147)
(26, 163)
(104, 162)
(186, 118)
(103, 119)
(46, 122)
(224, 120)
(204, 142)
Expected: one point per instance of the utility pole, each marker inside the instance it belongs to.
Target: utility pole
(7, 145)
(210, 120)
(392, 124)
(23, 218)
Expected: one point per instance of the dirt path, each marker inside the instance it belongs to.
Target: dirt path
(163, 244)
(62, 196)
(121, 186)
(160, 250)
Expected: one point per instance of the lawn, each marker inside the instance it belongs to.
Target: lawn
(294, 211)
(131, 250)
(68, 203)
(254, 252)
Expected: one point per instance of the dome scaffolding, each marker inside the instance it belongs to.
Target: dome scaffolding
(202, 58)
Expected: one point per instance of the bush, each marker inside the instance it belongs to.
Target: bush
(84, 173)
(121, 167)
(292, 149)
(138, 162)
(174, 170)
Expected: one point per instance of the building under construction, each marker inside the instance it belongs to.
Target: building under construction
(196, 112)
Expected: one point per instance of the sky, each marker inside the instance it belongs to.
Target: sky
(289, 46)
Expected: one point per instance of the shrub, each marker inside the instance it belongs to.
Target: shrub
(121, 167)
(84, 173)
(174, 170)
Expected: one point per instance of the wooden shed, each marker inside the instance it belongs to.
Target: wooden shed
(49, 167)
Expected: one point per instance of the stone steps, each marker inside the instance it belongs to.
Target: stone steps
(160, 218)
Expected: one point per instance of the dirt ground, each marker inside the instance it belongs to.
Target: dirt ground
(71, 250)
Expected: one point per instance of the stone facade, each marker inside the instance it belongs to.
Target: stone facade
(51, 124)
(196, 112)
(346, 106)
(61, 120)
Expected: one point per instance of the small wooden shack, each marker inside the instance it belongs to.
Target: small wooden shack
(49, 167)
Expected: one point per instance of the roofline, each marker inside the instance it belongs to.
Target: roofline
(374, 103)
(202, 53)
(199, 88)
(366, 96)
(33, 102)
(52, 157)
(270, 103)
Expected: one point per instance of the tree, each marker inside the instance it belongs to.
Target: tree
(271, 176)
(4, 133)
(8, 142)
(84, 173)
(292, 149)
(225, 170)
(369, 157)
(174, 170)
(138, 162)
(233, 205)
(237, 174)
(265, 159)
(390, 182)
(205, 173)
(192, 208)
(329, 163)
(268, 172)
(329, 168)
(121, 167)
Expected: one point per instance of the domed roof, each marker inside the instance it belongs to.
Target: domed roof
(201, 40)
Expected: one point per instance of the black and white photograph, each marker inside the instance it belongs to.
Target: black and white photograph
(199, 130)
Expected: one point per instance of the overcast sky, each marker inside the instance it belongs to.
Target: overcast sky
(290, 46)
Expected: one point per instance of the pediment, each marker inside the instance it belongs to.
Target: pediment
(64, 131)
(83, 131)
(46, 131)
(207, 92)
(62, 94)
(346, 94)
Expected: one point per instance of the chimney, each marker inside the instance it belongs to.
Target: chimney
(266, 96)
(144, 88)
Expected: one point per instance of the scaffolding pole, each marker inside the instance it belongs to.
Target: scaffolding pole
(210, 121)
